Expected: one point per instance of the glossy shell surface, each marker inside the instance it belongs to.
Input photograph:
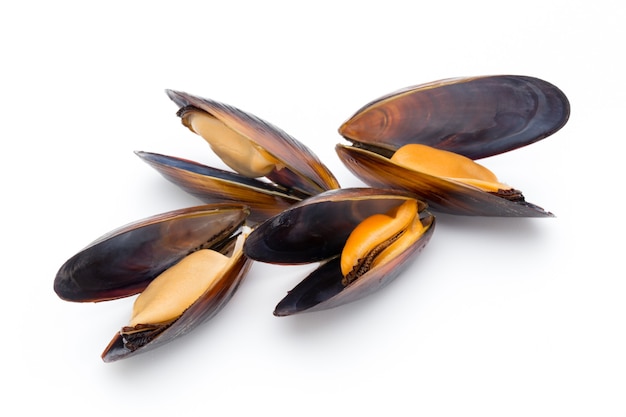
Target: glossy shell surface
(212, 185)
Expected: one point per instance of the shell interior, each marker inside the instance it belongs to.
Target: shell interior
(441, 194)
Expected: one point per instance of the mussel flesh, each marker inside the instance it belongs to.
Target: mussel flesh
(424, 139)
(363, 237)
(187, 264)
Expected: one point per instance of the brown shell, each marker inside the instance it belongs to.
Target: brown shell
(212, 185)
(124, 261)
(316, 230)
(304, 171)
(475, 116)
(442, 195)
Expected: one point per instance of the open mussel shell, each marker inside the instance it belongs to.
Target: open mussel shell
(474, 116)
(300, 169)
(212, 185)
(203, 309)
(443, 195)
(124, 261)
(316, 230)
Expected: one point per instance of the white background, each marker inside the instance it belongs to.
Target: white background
(497, 317)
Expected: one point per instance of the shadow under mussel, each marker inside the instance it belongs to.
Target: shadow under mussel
(363, 238)
(425, 140)
(185, 265)
(272, 170)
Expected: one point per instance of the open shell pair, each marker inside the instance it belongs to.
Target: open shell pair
(272, 170)
(424, 140)
(362, 237)
(196, 251)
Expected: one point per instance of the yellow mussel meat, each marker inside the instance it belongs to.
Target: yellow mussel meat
(446, 164)
(233, 148)
(172, 292)
(378, 239)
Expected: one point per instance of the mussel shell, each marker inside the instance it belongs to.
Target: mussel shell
(207, 306)
(442, 195)
(212, 185)
(304, 171)
(475, 116)
(124, 261)
(316, 230)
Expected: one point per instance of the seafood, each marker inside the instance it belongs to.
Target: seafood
(253, 148)
(454, 121)
(363, 237)
(186, 264)
(417, 150)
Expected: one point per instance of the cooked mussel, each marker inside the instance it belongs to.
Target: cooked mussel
(186, 264)
(363, 237)
(424, 139)
(254, 149)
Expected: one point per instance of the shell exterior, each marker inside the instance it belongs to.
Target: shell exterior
(303, 170)
(213, 185)
(124, 261)
(475, 116)
(316, 230)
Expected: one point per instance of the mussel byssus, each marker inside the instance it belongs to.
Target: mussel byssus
(187, 264)
(363, 238)
(424, 139)
(253, 148)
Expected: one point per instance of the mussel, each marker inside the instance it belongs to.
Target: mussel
(187, 264)
(254, 149)
(424, 139)
(363, 238)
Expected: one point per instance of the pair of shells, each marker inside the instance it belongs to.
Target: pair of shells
(302, 197)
